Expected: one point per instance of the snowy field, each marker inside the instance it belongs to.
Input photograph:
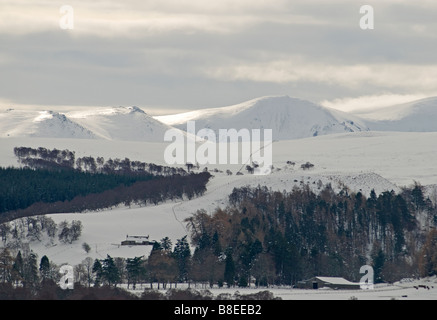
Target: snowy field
(362, 161)
(407, 289)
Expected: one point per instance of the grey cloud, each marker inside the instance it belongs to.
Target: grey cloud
(170, 68)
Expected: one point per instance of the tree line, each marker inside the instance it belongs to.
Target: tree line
(153, 191)
(25, 276)
(55, 159)
(37, 190)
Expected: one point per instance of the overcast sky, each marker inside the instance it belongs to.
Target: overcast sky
(163, 55)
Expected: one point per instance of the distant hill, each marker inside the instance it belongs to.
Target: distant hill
(121, 123)
(289, 118)
(40, 124)
(416, 116)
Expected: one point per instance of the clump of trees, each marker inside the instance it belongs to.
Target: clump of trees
(307, 166)
(69, 233)
(42, 157)
(38, 228)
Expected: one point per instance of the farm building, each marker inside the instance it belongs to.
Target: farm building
(137, 241)
(327, 282)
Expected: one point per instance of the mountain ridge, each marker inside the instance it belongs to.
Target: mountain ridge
(289, 118)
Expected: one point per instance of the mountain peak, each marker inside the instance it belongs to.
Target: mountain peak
(289, 118)
(135, 109)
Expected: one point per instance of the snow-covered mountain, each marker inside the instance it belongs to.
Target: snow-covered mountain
(289, 118)
(40, 124)
(121, 123)
(416, 116)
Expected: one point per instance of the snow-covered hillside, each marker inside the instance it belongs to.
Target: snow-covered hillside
(40, 124)
(361, 161)
(400, 157)
(289, 118)
(118, 123)
(415, 116)
(121, 123)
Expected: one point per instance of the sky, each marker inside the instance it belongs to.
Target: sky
(167, 56)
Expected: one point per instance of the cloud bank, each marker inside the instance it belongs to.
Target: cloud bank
(193, 54)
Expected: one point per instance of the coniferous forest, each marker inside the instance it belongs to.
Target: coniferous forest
(263, 237)
(53, 181)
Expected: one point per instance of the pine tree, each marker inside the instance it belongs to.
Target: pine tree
(229, 274)
(44, 267)
(156, 247)
(18, 268)
(418, 196)
(110, 271)
(378, 264)
(166, 244)
(135, 269)
(182, 254)
(217, 248)
(98, 270)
